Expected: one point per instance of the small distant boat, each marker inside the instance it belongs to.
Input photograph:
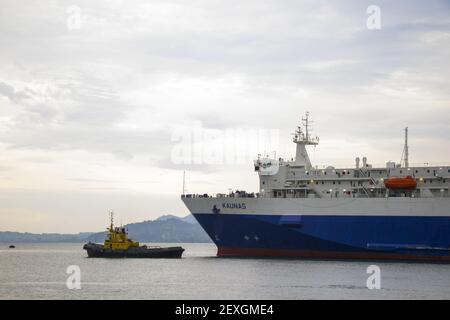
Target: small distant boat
(118, 245)
(405, 183)
(12, 246)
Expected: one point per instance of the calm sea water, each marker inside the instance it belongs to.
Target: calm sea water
(38, 271)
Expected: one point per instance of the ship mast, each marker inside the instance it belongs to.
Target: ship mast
(405, 155)
(302, 138)
(406, 148)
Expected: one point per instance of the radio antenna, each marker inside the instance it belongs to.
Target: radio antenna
(184, 182)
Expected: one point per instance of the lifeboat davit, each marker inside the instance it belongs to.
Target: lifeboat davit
(405, 183)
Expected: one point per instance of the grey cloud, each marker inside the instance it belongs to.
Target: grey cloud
(11, 93)
(79, 117)
(92, 139)
(317, 46)
(167, 163)
(216, 120)
(43, 160)
(123, 155)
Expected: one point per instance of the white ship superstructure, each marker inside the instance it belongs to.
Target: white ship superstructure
(299, 179)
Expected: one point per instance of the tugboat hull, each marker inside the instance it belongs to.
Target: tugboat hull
(98, 251)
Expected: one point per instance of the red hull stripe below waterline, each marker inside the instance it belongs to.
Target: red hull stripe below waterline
(258, 252)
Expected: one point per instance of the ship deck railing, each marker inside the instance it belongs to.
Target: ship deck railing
(222, 195)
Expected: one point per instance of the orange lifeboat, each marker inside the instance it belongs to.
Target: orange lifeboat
(405, 183)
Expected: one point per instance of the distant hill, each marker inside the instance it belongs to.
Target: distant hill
(189, 218)
(166, 228)
(17, 237)
(167, 217)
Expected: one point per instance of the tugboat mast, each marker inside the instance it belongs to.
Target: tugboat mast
(111, 217)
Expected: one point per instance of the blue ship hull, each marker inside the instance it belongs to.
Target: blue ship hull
(330, 237)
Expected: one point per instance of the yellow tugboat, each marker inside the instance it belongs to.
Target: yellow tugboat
(118, 245)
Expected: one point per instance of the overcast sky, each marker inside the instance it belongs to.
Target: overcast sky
(92, 109)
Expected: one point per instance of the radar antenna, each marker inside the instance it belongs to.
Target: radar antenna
(303, 136)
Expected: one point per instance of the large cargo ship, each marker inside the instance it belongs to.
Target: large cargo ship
(394, 212)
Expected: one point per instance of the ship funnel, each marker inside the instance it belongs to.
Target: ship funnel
(357, 160)
(364, 162)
